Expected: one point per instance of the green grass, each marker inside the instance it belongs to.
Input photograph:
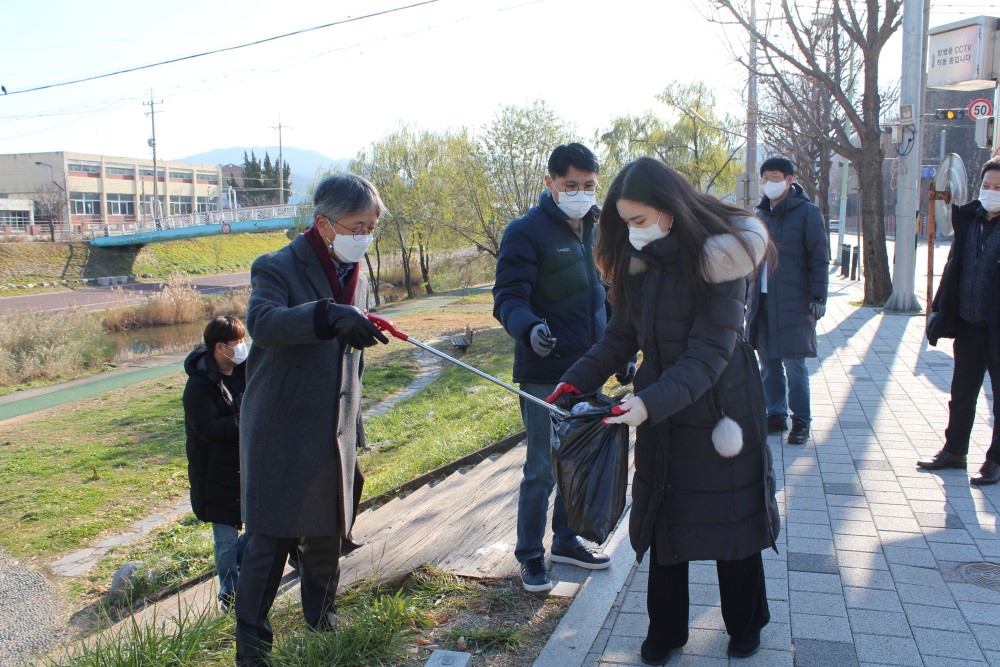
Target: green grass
(374, 626)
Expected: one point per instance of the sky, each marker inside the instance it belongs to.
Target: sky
(444, 64)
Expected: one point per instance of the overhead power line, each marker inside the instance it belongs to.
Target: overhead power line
(222, 50)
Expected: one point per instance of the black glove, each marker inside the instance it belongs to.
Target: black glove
(818, 309)
(627, 374)
(352, 328)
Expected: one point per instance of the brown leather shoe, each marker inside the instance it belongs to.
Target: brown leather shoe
(943, 459)
(988, 474)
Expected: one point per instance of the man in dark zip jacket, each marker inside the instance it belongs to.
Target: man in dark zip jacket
(787, 299)
(549, 298)
(965, 308)
(212, 395)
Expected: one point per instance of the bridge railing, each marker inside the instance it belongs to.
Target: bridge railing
(205, 218)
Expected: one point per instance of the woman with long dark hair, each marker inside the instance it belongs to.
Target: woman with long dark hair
(679, 263)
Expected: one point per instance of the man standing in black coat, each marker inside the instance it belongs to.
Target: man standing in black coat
(788, 298)
(549, 298)
(965, 308)
(216, 380)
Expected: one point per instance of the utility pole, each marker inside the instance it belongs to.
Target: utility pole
(281, 164)
(903, 298)
(152, 144)
(751, 176)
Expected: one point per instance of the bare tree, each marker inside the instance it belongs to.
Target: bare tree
(798, 46)
(50, 204)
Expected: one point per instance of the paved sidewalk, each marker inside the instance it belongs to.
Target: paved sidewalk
(876, 562)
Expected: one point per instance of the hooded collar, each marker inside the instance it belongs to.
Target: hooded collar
(796, 196)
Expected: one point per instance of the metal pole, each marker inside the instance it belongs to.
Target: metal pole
(534, 399)
(931, 205)
(751, 166)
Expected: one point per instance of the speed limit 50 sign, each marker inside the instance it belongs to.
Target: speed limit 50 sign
(981, 108)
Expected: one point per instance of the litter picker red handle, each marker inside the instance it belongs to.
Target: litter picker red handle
(385, 325)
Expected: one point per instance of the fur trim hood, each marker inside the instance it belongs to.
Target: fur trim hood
(724, 257)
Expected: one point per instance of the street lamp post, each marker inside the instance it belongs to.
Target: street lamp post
(62, 198)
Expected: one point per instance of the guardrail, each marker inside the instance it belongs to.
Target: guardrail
(206, 218)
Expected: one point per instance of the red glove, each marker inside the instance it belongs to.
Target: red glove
(562, 389)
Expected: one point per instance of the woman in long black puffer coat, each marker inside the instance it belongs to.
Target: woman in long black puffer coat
(680, 262)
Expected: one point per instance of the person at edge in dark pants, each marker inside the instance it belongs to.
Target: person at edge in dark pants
(549, 297)
(679, 263)
(212, 395)
(965, 308)
(301, 417)
(788, 298)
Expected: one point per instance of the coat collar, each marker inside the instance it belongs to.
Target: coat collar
(723, 256)
(311, 266)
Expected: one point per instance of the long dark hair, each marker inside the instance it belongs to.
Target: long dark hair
(697, 216)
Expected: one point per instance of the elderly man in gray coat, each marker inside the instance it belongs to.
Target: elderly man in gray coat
(301, 414)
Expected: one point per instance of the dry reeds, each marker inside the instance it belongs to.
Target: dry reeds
(176, 303)
(37, 346)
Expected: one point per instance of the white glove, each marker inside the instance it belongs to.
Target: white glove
(631, 411)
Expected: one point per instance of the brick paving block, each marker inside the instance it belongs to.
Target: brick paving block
(803, 491)
(631, 625)
(959, 645)
(920, 576)
(847, 501)
(864, 543)
(973, 593)
(815, 504)
(703, 594)
(622, 651)
(990, 549)
(776, 636)
(780, 612)
(949, 535)
(800, 516)
(993, 657)
(850, 479)
(634, 603)
(819, 604)
(980, 613)
(874, 621)
(860, 559)
(899, 554)
(960, 553)
(854, 528)
(814, 582)
(887, 497)
(872, 598)
(939, 618)
(909, 540)
(817, 531)
(824, 653)
(843, 489)
(809, 545)
(837, 513)
(949, 661)
(925, 595)
(703, 572)
(706, 617)
(887, 650)
(710, 643)
(928, 507)
(860, 578)
(881, 509)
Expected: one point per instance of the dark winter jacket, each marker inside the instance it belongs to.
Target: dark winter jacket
(943, 321)
(211, 421)
(799, 278)
(546, 272)
(703, 487)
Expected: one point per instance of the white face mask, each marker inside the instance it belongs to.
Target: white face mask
(240, 353)
(774, 190)
(578, 205)
(990, 199)
(351, 248)
(640, 237)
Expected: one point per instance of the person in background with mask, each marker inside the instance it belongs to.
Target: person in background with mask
(301, 425)
(788, 298)
(549, 298)
(216, 380)
(965, 308)
(679, 262)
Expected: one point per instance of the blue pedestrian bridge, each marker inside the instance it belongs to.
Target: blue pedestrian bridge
(208, 223)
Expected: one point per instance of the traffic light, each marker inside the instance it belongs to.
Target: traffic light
(949, 114)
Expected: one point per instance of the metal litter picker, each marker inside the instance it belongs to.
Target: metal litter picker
(387, 326)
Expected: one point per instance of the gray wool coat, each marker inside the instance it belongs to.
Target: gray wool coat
(704, 486)
(300, 422)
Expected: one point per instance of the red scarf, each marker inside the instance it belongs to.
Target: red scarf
(343, 295)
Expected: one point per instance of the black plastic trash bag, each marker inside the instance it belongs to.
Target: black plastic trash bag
(590, 463)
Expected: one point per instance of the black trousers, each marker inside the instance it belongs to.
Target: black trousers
(973, 358)
(260, 576)
(742, 592)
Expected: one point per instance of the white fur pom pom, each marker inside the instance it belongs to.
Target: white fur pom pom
(727, 436)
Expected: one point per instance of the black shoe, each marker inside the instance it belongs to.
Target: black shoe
(581, 556)
(534, 576)
(226, 602)
(799, 433)
(745, 647)
(943, 459)
(988, 474)
(776, 424)
(653, 653)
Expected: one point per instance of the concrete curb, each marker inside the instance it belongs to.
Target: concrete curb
(570, 644)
